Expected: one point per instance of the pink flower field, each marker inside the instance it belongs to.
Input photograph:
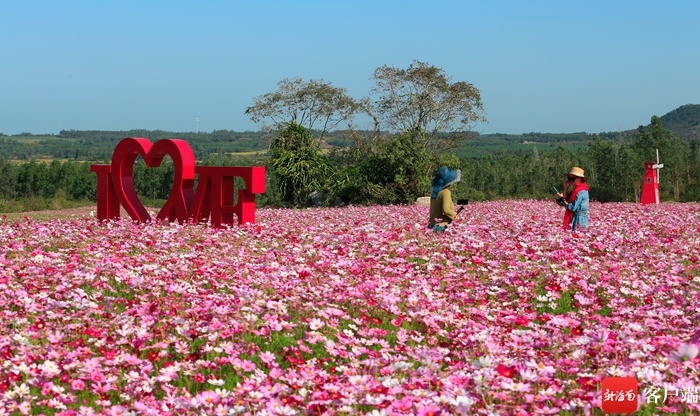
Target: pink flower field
(356, 310)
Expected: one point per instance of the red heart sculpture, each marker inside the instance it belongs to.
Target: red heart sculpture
(123, 159)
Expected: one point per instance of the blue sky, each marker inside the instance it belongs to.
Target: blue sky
(541, 66)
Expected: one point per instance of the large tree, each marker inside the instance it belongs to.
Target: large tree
(422, 99)
(315, 105)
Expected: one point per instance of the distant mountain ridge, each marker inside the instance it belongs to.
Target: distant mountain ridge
(684, 121)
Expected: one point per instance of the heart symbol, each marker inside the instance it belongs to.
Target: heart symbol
(123, 159)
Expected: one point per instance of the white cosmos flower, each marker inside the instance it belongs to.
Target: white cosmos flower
(685, 352)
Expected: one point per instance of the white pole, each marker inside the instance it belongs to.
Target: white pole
(657, 164)
(658, 167)
(197, 121)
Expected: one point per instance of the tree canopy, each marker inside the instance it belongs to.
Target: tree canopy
(423, 99)
(313, 104)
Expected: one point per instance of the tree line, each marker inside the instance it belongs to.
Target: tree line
(396, 171)
(420, 117)
(399, 170)
(97, 145)
(422, 120)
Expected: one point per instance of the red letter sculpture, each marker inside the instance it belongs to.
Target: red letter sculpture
(215, 193)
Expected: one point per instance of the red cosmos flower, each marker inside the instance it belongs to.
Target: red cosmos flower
(335, 395)
(555, 287)
(376, 321)
(14, 377)
(577, 331)
(6, 353)
(587, 383)
(316, 409)
(39, 324)
(289, 400)
(418, 384)
(509, 372)
(77, 343)
(522, 321)
(435, 384)
(152, 356)
(92, 332)
(4, 385)
(109, 354)
(199, 378)
(295, 361)
(384, 404)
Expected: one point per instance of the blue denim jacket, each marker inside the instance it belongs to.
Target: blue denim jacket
(580, 209)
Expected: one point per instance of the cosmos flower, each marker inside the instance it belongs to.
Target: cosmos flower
(685, 352)
(371, 315)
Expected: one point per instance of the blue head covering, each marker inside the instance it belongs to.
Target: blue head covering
(443, 178)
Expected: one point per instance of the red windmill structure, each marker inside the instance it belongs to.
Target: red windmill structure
(650, 187)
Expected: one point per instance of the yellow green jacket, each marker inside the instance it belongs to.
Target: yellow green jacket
(442, 209)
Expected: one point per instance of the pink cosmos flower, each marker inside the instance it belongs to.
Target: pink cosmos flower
(685, 352)
(429, 411)
(247, 365)
(315, 324)
(117, 411)
(97, 377)
(208, 398)
(267, 357)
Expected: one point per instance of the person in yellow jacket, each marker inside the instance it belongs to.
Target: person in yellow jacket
(442, 208)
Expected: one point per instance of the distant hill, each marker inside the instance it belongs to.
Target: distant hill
(95, 145)
(684, 121)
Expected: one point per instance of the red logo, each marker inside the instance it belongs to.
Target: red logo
(620, 395)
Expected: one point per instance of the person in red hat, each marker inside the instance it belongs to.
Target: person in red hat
(575, 199)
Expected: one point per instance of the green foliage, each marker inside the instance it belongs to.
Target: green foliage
(297, 164)
(396, 171)
(97, 145)
(399, 169)
(482, 145)
(7, 180)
